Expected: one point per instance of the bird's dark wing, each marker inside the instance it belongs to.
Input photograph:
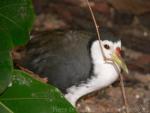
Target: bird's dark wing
(63, 57)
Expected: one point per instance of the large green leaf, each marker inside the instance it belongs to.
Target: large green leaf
(4, 109)
(5, 70)
(16, 18)
(27, 95)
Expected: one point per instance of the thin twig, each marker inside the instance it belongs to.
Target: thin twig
(121, 86)
(96, 27)
(124, 93)
(121, 78)
(32, 74)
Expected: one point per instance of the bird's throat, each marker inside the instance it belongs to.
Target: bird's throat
(104, 75)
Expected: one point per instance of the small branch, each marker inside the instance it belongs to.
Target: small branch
(113, 63)
(124, 94)
(32, 74)
(121, 85)
(96, 27)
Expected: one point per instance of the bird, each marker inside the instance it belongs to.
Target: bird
(72, 60)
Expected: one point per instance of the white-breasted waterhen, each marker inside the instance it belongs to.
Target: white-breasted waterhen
(73, 61)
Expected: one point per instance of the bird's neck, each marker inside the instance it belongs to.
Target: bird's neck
(104, 75)
(96, 53)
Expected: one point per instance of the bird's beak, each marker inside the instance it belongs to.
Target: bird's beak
(117, 58)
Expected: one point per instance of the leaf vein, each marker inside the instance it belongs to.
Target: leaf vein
(6, 107)
(12, 5)
(10, 20)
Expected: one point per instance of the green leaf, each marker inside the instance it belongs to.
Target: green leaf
(4, 109)
(27, 95)
(16, 18)
(5, 70)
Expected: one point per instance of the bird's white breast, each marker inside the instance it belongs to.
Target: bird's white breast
(105, 74)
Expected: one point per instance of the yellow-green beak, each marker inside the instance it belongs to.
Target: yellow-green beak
(120, 62)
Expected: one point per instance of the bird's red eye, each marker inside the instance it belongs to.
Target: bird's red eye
(106, 46)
